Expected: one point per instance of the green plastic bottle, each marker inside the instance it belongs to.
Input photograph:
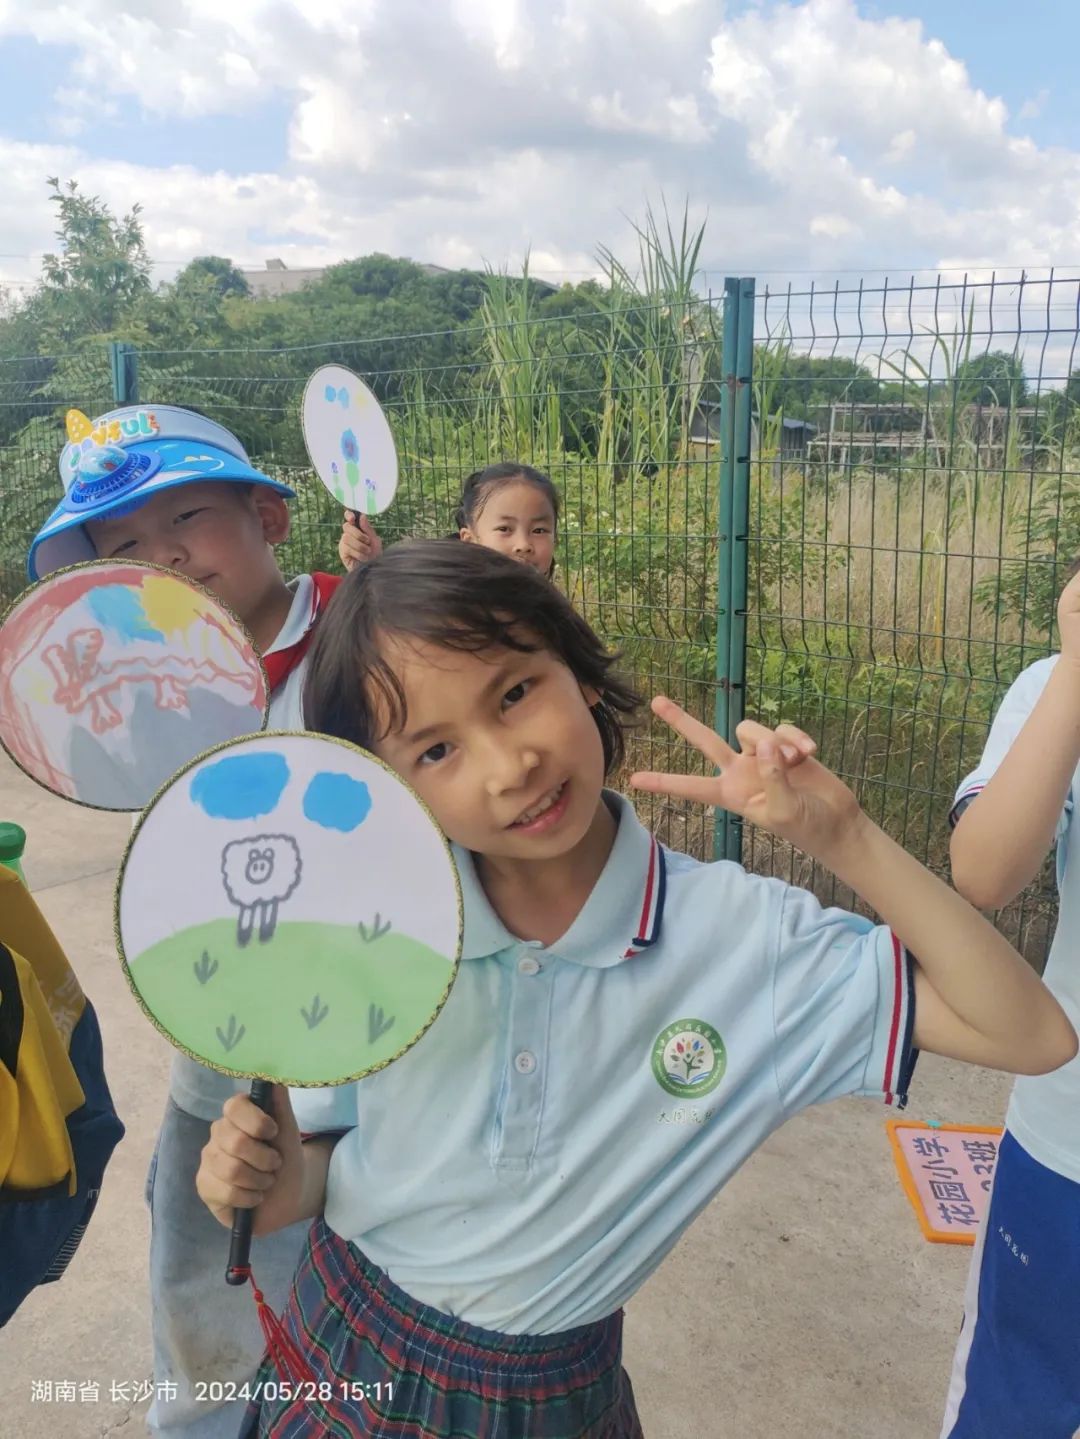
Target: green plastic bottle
(12, 844)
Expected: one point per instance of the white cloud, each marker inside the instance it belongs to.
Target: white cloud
(826, 98)
(500, 25)
(669, 7)
(835, 227)
(676, 118)
(900, 146)
(1032, 108)
(467, 131)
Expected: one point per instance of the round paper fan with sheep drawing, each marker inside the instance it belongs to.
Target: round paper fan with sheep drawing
(288, 909)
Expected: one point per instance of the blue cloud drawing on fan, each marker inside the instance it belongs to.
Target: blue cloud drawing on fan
(335, 801)
(245, 786)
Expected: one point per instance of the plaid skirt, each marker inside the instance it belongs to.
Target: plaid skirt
(384, 1366)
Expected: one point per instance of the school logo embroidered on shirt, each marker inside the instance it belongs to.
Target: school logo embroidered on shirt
(689, 1057)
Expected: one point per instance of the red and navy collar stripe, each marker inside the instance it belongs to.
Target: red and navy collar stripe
(279, 664)
(901, 1056)
(972, 792)
(652, 905)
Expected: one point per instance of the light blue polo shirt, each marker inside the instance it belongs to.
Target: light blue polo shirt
(1044, 1111)
(531, 1160)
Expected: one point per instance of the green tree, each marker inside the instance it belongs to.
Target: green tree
(585, 299)
(993, 378)
(99, 272)
(808, 383)
(51, 343)
(214, 274)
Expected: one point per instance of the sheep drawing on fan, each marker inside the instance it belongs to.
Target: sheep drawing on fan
(259, 873)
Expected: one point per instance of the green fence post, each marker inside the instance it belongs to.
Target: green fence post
(124, 364)
(736, 422)
(725, 526)
(740, 534)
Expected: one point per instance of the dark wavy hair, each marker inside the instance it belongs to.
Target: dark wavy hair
(463, 597)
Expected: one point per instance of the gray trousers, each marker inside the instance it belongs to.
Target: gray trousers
(207, 1338)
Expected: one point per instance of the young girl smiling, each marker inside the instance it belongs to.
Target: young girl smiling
(499, 1193)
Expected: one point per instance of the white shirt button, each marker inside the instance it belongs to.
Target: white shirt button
(525, 1062)
(528, 965)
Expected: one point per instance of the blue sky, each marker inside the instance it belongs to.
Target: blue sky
(31, 74)
(816, 136)
(1027, 54)
(1027, 64)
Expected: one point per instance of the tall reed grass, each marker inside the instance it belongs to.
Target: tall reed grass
(891, 600)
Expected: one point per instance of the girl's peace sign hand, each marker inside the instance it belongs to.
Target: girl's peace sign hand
(772, 780)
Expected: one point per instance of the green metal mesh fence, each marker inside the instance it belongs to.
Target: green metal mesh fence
(912, 511)
(34, 394)
(860, 503)
(619, 408)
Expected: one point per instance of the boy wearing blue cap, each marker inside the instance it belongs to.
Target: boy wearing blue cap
(167, 486)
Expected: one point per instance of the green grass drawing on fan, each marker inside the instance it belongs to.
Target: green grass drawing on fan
(254, 1012)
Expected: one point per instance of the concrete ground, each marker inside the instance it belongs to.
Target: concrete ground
(804, 1301)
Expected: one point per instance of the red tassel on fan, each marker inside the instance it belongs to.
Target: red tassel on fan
(289, 1362)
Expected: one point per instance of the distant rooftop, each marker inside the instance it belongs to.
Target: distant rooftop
(277, 279)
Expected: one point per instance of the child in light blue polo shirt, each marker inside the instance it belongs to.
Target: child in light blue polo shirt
(1016, 1372)
(628, 1025)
